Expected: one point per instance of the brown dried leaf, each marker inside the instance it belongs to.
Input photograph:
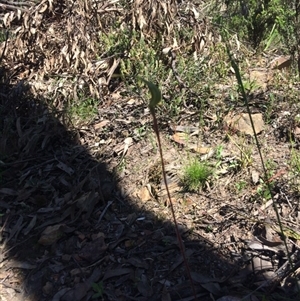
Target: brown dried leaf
(138, 263)
(255, 176)
(16, 229)
(281, 62)
(144, 286)
(180, 138)
(8, 191)
(24, 194)
(116, 273)
(179, 259)
(229, 298)
(101, 124)
(43, 8)
(30, 225)
(80, 290)
(165, 294)
(201, 149)
(297, 131)
(65, 168)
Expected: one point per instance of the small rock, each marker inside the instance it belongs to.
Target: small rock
(144, 194)
(241, 123)
(255, 176)
(48, 288)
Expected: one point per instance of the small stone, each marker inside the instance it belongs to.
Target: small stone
(48, 288)
(144, 194)
(241, 123)
(255, 176)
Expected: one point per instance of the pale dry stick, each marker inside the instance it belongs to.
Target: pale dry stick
(4, 48)
(156, 97)
(103, 213)
(7, 7)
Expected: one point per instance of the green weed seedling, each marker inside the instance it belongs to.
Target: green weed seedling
(84, 110)
(240, 185)
(273, 39)
(269, 108)
(295, 161)
(245, 159)
(250, 86)
(140, 132)
(264, 190)
(209, 229)
(271, 167)
(294, 164)
(98, 289)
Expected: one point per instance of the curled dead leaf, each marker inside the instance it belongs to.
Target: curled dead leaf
(180, 138)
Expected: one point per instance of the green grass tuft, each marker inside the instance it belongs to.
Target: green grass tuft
(196, 173)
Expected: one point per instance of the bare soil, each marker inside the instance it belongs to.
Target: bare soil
(89, 206)
(83, 207)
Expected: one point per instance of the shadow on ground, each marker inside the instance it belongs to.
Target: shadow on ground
(70, 233)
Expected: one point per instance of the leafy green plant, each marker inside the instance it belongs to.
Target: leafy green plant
(3, 35)
(144, 59)
(295, 160)
(208, 229)
(115, 42)
(83, 111)
(251, 86)
(265, 187)
(195, 174)
(240, 185)
(273, 39)
(264, 190)
(98, 289)
(269, 107)
(260, 22)
(219, 151)
(121, 167)
(271, 167)
(140, 132)
(245, 159)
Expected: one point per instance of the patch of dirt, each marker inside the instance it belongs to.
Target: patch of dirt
(77, 222)
(84, 223)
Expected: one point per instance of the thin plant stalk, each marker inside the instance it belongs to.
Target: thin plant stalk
(156, 97)
(245, 99)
